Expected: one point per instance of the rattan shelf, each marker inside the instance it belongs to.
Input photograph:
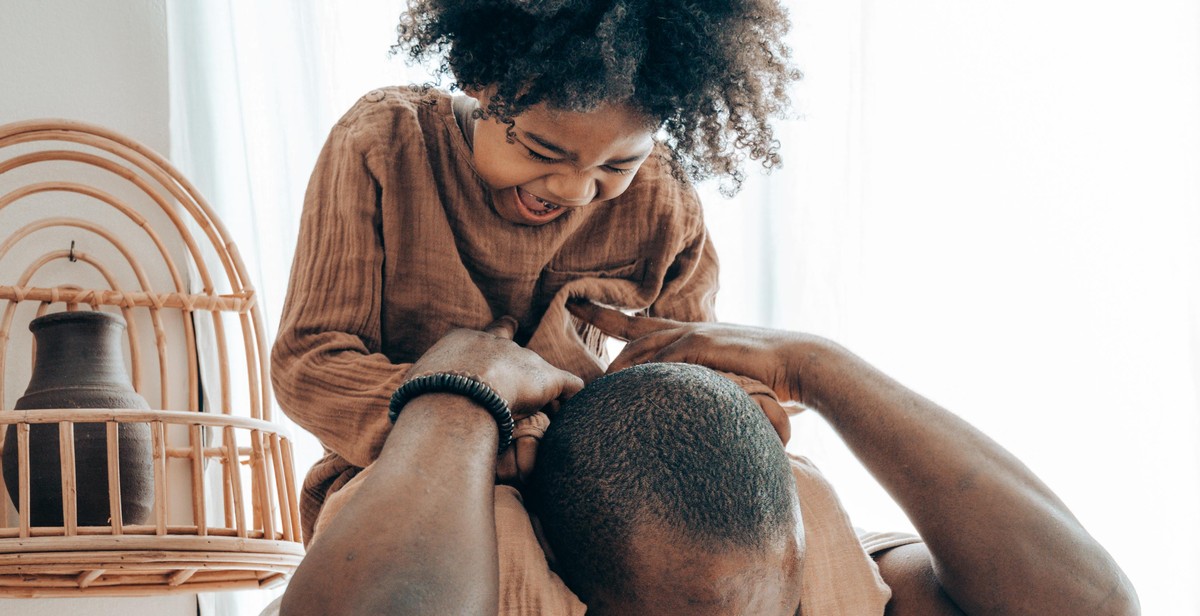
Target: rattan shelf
(225, 510)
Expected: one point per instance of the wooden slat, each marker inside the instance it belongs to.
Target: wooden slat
(4, 522)
(145, 587)
(272, 580)
(285, 512)
(114, 477)
(23, 473)
(160, 476)
(235, 482)
(199, 510)
(181, 576)
(128, 529)
(145, 548)
(87, 577)
(66, 455)
(227, 489)
(208, 452)
(42, 416)
(293, 504)
(258, 474)
(141, 299)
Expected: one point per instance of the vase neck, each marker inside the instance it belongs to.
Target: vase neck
(78, 351)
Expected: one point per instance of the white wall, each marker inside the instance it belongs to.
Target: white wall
(100, 62)
(104, 63)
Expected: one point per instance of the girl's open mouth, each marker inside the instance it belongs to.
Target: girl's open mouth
(536, 209)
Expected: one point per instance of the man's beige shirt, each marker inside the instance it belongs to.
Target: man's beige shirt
(839, 577)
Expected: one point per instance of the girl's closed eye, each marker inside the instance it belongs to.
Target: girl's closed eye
(542, 158)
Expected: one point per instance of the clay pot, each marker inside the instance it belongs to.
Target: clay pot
(79, 364)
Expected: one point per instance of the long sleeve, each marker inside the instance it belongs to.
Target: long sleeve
(328, 370)
(690, 288)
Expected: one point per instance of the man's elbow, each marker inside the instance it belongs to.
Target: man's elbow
(1122, 600)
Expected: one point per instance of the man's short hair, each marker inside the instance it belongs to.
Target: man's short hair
(674, 445)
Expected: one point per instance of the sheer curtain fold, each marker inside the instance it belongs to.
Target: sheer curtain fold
(999, 206)
(255, 88)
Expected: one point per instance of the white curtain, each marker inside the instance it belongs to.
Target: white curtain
(999, 204)
(255, 88)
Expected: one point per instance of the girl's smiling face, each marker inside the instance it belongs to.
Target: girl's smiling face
(557, 160)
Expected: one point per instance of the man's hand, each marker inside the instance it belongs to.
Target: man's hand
(764, 355)
(526, 381)
(771, 356)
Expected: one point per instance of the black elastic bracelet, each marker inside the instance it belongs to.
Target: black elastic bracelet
(446, 382)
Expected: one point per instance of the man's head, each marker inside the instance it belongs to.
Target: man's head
(663, 487)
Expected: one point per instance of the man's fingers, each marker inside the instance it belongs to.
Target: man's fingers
(565, 384)
(504, 327)
(616, 323)
(571, 387)
(634, 353)
(776, 415)
(644, 349)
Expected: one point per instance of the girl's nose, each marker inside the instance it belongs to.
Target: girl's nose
(571, 189)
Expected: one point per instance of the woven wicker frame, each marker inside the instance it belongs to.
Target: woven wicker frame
(257, 540)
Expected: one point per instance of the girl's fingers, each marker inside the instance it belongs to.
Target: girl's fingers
(616, 323)
(504, 327)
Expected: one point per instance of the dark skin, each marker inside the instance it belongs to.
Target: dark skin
(435, 554)
(997, 540)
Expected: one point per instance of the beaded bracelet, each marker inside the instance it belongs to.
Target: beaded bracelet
(448, 382)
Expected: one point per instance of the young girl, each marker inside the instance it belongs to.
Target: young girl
(561, 172)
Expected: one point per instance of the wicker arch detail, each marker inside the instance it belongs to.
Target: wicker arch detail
(239, 526)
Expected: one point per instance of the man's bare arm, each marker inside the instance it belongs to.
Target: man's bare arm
(998, 540)
(419, 535)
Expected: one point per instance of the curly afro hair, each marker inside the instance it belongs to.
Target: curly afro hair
(709, 75)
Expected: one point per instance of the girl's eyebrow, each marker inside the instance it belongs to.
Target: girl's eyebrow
(572, 156)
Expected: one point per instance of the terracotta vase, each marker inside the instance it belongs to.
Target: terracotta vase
(79, 365)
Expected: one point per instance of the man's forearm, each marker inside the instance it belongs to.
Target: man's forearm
(419, 536)
(1002, 542)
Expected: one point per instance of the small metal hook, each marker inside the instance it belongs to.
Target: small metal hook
(71, 256)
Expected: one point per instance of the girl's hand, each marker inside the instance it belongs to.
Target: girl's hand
(771, 356)
(526, 381)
